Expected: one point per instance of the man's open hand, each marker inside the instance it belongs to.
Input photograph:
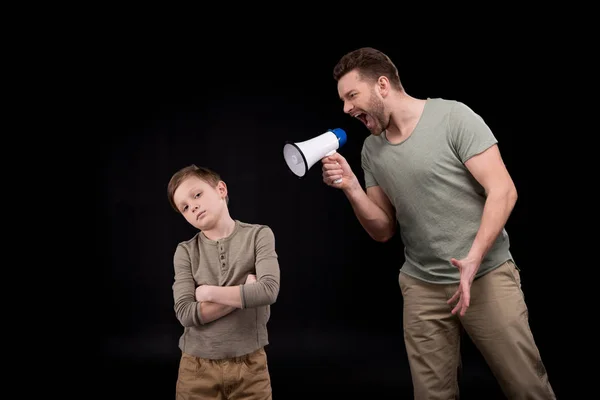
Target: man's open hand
(468, 268)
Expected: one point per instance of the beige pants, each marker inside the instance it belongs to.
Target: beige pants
(246, 377)
(497, 323)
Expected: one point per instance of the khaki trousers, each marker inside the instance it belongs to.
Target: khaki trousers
(246, 377)
(497, 323)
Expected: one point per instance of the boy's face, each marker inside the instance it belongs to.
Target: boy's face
(200, 203)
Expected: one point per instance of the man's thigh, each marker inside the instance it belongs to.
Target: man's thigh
(432, 338)
(497, 322)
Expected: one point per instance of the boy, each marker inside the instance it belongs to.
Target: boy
(226, 278)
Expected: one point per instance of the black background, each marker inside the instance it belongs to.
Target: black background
(336, 328)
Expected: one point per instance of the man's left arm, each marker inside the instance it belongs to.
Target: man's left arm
(501, 195)
(489, 170)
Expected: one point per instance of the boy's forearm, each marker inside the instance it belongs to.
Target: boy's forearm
(210, 311)
(224, 295)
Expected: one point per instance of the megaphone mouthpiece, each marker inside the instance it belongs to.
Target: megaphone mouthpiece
(341, 135)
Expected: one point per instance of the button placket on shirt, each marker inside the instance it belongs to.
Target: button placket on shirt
(222, 257)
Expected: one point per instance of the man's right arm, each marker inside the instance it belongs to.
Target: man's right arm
(372, 208)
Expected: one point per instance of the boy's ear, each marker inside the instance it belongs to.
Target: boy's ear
(222, 189)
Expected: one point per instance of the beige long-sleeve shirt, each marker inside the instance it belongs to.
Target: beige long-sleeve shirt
(250, 249)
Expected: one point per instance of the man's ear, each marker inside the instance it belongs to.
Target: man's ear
(383, 84)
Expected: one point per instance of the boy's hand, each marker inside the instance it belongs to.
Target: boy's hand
(251, 278)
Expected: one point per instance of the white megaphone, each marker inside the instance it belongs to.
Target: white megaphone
(300, 157)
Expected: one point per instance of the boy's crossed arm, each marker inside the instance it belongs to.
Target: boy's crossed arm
(261, 292)
(216, 301)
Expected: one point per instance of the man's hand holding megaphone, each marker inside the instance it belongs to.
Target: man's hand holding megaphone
(335, 167)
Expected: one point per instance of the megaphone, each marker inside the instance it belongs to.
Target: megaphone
(300, 157)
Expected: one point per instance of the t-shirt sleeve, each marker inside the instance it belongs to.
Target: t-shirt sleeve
(366, 167)
(469, 134)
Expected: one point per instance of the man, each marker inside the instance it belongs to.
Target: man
(434, 167)
(226, 277)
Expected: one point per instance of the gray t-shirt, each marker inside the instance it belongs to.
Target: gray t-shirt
(438, 202)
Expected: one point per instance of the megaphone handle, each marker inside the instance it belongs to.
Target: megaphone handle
(327, 155)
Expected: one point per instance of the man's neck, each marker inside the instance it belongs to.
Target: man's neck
(405, 115)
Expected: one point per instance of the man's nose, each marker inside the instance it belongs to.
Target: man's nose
(348, 107)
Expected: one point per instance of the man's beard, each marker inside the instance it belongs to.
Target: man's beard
(377, 113)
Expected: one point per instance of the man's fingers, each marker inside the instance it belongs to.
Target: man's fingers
(335, 157)
(331, 176)
(458, 307)
(332, 172)
(462, 296)
(332, 165)
(466, 299)
(455, 297)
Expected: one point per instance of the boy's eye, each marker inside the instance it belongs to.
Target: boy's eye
(197, 195)
(185, 208)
